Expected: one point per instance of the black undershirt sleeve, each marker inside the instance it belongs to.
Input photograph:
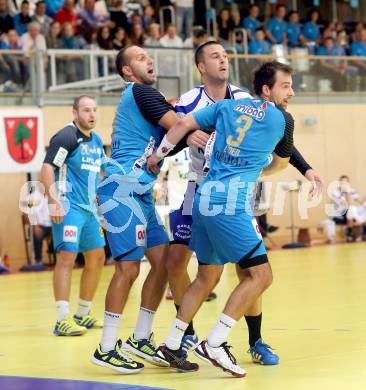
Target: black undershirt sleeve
(298, 161)
(61, 145)
(285, 147)
(151, 103)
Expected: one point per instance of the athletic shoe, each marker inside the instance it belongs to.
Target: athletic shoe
(262, 354)
(145, 349)
(198, 351)
(189, 342)
(68, 327)
(211, 297)
(117, 359)
(221, 357)
(88, 321)
(176, 359)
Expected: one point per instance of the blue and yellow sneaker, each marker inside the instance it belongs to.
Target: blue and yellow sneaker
(68, 327)
(88, 321)
(262, 354)
(145, 349)
(117, 359)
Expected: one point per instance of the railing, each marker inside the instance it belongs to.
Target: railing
(56, 76)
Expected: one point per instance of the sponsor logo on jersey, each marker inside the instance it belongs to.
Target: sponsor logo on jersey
(70, 233)
(257, 113)
(60, 157)
(140, 235)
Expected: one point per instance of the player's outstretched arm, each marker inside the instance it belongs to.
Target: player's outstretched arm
(181, 128)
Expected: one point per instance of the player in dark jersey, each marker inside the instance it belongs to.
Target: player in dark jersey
(70, 176)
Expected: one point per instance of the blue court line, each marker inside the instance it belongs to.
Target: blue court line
(30, 383)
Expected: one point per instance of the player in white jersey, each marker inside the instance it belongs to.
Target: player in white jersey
(211, 60)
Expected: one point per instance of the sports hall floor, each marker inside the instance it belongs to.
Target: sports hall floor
(314, 316)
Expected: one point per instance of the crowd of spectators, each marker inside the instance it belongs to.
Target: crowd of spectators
(113, 24)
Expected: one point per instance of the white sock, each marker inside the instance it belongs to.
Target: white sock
(110, 331)
(144, 324)
(83, 308)
(62, 309)
(176, 334)
(220, 331)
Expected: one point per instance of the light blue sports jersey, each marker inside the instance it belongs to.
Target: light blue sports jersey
(133, 141)
(77, 160)
(247, 132)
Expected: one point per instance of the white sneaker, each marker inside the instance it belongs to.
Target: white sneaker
(221, 357)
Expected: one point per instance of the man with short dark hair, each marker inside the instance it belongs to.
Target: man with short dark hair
(22, 19)
(70, 174)
(247, 132)
(132, 225)
(41, 18)
(6, 21)
(211, 61)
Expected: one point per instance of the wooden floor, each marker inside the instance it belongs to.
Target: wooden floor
(314, 316)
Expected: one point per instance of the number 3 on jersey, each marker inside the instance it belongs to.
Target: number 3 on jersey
(247, 122)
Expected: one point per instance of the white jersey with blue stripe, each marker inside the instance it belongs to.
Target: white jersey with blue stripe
(192, 101)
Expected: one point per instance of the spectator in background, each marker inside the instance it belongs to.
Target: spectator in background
(333, 69)
(33, 39)
(342, 42)
(119, 18)
(153, 37)
(199, 37)
(6, 21)
(22, 20)
(104, 39)
(41, 18)
(120, 39)
(251, 22)
(358, 48)
(329, 31)
(356, 35)
(91, 39)
(68, 39)
(347, 207)
(225, 27)
(90, 20)
(293, 29)
(259, 45)
(310, 32)
(137, 36)
(277, 27)
(184, 11)
(148, 17)
(170, 38)
(53, 38)
(67, 14)
(14, 64)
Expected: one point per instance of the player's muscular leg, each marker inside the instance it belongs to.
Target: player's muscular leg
(124, 276)
(156, 281)
(248, 291)
(62, 275)
(256, 307)
(94, 263)
(207, 278)
(177, 263)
